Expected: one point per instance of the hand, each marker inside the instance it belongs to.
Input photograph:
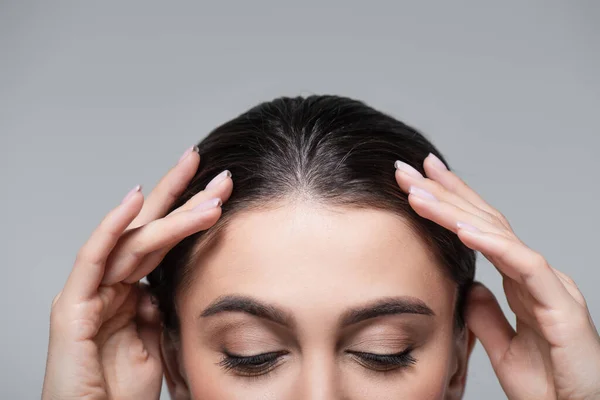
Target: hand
(104, 329)
(555, 351)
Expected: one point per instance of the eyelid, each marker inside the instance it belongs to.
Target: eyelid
(245, 333)
(386, 332)
(399, 353)
(389, 361)
(234, 355)
(251, 366)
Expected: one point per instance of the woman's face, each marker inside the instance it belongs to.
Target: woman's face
(306, 303)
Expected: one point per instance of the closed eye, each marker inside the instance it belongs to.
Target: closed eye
(384, 362)
(254, 365)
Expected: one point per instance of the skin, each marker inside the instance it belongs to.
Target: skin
(106, 341)
(319, 264)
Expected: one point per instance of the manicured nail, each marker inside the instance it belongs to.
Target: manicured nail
(409, 169)
(437, 163)
(468, 227)
(417, 191)
(208, 204)
(187, 152)
(217, 179)
(131, 193)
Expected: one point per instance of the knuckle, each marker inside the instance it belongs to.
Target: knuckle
(135, 250)
(133, 242)
(505, 222)
(569, 280)
(537, 260)
(498, 215)
(487, 216)
(128, 250)
(86, 256)
(452, 186)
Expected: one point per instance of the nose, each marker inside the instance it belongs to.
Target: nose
(318, 379)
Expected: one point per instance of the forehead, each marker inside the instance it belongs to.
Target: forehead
(307, 255)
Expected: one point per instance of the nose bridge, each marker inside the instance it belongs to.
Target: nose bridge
(319, 378)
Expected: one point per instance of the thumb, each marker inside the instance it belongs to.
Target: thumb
(486, 320)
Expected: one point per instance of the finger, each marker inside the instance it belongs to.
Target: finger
(571, 287)
(486, 320)
(169, 188)
(520, 302)
(523, 265)
(437, 170)
(157, 234)
(89, 266)
(220, 186)
(148, 264)
(447, 214)
(124, 316)
(405, 178)
(112, 298)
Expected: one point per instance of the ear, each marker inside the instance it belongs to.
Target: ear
(171, 360)
(463, 347)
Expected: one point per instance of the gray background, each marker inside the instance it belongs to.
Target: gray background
(96, 97)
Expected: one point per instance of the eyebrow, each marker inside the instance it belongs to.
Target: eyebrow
(249, 305)
(380, 307)
(386, 306)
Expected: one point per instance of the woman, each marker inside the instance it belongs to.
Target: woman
(323, 275)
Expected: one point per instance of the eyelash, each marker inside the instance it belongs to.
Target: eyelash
(385, 362)
(259, 364)
(262, 364)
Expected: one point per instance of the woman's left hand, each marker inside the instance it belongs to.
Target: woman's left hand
(555, 351)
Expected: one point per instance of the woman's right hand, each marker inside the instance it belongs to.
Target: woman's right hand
(104, 330)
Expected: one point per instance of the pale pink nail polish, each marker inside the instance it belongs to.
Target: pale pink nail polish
(437, 163)
(131, 193)
(419, 192)
(409, 169)
(468, 227)
(208, 204)
(187, 152)
(215, 181)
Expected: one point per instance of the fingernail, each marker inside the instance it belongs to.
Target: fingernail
(131, 193)
(417, 191)
(437, 163)
(217, 179)
(187, 152)
(208, 204)
(409, 169)
(153, 300)
(468, 227)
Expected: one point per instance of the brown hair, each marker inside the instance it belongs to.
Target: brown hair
(335, 150)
